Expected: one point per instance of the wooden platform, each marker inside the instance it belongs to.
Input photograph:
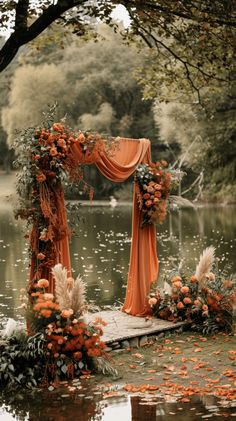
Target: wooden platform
(121, 326)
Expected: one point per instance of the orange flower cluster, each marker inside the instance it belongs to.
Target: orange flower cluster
(154, 188)
(75, 339)
(68, 340)
(52, 150)
(202, 305)
(53, 154)
(44, 305)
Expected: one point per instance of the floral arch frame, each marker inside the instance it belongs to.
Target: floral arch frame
(44, 159)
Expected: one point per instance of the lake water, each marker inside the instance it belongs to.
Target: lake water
(100, 249)
(100, 253)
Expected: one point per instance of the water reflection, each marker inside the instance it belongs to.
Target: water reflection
(89, 405)
(100, 249)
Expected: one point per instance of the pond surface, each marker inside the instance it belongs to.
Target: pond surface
(91, 404)
(100, 249)
(100, 252)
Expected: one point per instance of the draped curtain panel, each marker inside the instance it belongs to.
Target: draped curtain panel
(143, 268)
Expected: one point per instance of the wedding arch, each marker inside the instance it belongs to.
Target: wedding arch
(55, 150)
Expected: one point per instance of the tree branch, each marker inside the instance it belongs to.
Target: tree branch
(21, 15)
(174, 11)
(23, 34)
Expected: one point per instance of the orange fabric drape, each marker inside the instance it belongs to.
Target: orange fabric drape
(143, 258)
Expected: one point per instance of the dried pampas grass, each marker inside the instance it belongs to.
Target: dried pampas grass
(69, 296)
(78, 296)
(61, 291)
(205, 264)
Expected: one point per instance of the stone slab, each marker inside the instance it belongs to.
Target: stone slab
(121, 326)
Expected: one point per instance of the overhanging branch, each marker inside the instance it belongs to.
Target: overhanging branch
(23, 34)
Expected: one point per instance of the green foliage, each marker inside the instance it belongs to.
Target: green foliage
(207, 140)
(21, 361)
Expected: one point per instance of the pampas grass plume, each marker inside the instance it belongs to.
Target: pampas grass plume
(61, 291)
(205, 263)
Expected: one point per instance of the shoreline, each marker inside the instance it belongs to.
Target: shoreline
(7, 191)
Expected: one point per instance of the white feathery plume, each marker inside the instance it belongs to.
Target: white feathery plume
(62, 294)
(205, 263)
(77, 295)
(167, 288)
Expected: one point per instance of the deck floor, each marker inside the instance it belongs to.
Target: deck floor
(121, 326)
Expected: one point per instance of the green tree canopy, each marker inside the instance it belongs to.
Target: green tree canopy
(204, 32)
(93, 84)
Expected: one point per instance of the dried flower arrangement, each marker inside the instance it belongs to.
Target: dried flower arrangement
(205, 299)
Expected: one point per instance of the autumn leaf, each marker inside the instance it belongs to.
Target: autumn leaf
(137, 355)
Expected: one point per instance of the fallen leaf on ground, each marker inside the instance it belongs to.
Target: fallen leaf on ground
(137, 355)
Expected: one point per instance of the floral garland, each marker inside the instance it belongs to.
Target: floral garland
(154, 183)
(45, 156)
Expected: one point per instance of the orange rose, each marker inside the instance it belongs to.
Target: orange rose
(41, 178)
(193, 279)
(156, 200)
(187, 300)
(152, 301)
(41, 256)
(180, 305)
(61, 142)
(148, 203)
(66, 313)
(42, 283)
(150, 189)
(157, 186)
(53, 152)
(176, 279)
(184, 290)
(81, 138)
(197, 303)
(157, 194)
(46, 313)
(146, 196)
(58, 127)
(177, 284)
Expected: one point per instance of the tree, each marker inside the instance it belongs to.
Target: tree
(207, 139)
(204, 31)
(93, 84)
